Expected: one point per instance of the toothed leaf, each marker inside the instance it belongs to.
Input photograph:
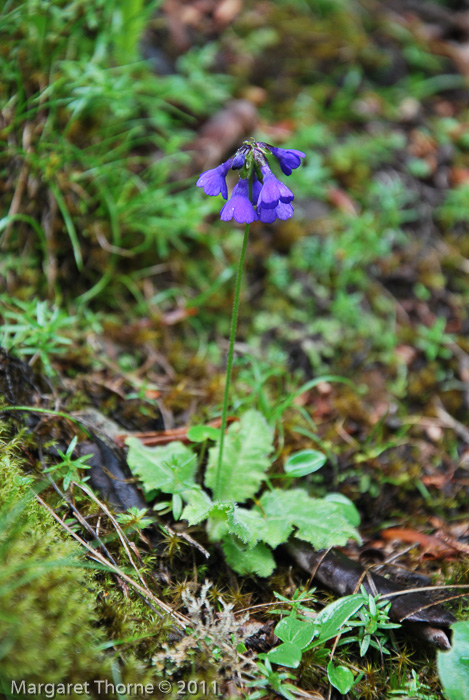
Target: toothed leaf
(247, 446)
(169, 468)
(246, 524)
(198, 506)
(319, 522)
(226, 518)
(256, 560)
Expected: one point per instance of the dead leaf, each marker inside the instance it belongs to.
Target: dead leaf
(430, 544)
(226, 11)
(224, 133)
(177, 315)
(342, 201)
(164, 437)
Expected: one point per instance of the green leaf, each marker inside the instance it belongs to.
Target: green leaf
(228, 518)
(274, 530)
(255, 560)
(246, 524)
(304, 462)
(340, 677)
(218, 525)
(332, 619)
(317, 521)
(170, 468)
(247, 446)
(291, 629)
(286, 654)
(201, 433)
(177, 506)
(288, 691)
(198, 506)
(453, 665)
(347, 507)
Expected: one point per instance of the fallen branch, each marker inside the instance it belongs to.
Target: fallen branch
(422, 616)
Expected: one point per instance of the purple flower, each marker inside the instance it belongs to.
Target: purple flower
(256, 189)
(259, 194)
(283, 211)
(213, 181)
(239, 206)
(273, 191)
(288, 158)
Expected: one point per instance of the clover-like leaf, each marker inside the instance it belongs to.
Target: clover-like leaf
(201, 433)
(304, 462)
(291, 629)
(348, 508)
(286, 654)
(340, 677)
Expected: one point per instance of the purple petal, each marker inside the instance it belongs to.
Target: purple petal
(282, 211)
(269, 195)
(273, 191)
(245, 212)
(239, 206)
(256, 189)
(267, 216)
(213, 181)
(288, 158)
(286, 195)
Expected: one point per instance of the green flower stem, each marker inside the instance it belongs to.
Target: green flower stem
(229, 363)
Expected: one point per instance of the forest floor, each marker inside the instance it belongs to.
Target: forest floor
(117, 283)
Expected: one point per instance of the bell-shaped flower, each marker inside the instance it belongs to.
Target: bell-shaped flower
(256, 189)
(213, 181)
(288, 158)
(239, 206)
(283, 210)
(259, 194)
(273, 191)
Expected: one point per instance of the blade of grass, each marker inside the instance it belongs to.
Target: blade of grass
(69, 225)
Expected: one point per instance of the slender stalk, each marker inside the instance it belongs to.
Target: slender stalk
(229, 362)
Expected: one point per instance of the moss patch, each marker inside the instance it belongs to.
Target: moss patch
(47, 599)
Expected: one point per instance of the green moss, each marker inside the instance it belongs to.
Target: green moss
(47, 599)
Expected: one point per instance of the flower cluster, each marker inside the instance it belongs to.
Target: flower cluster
(258, 195)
